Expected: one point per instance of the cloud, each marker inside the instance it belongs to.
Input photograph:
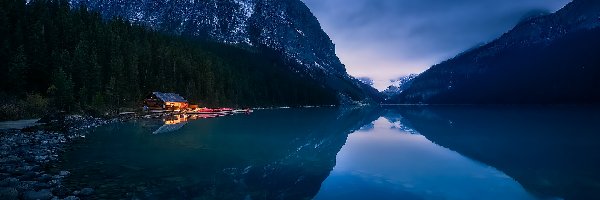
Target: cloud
(386, 39)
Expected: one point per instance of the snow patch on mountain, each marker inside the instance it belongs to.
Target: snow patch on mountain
(399, 85)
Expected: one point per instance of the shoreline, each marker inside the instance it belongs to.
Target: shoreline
(28, 155)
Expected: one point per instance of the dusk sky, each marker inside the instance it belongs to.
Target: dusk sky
(387, 39)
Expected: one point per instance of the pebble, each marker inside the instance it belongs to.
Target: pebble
(54, 182)
(24, 156)
(64, 173)
(71, 198)
(24, 185)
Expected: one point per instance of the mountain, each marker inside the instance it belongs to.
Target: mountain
(366, 80)
(545, 59)
(398, 85)
(286, 26)
(56, 58)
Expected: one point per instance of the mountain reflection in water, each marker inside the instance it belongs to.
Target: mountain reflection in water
(553, 151)
(365, 153)
(386, 162)
(271, 154)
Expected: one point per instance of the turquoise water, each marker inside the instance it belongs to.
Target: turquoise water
(330, 153)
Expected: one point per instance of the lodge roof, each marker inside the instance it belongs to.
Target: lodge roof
(169, 97)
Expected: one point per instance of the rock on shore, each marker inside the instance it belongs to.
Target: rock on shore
(26, 155)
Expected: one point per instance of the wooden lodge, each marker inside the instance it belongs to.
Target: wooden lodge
(165, 101)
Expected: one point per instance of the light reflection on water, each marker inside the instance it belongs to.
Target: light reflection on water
(330, 153)
(388, 163)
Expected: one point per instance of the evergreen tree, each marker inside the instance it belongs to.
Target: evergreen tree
(4, 40)
(61, 91)
(17, 72)
(78, 61)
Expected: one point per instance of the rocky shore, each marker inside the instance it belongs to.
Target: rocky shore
(27, 155)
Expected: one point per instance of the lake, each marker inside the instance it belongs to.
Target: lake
(396, 152)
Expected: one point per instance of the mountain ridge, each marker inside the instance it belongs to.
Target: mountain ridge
(540, 60)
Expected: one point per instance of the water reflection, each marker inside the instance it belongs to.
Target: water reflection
(553, 151)
(387, 162)
(387, 153)
(172, 123)
(278, 154)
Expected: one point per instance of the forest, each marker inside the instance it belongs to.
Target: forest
(55, 58)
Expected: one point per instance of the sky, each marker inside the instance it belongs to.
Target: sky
(388, 39)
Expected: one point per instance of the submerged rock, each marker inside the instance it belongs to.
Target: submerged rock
(26, 155)
(9, 182)
(39, 195)
(9, 193)
(25, 185)
(71, 198)
(64, 173)
(61, 191)
(86, 192)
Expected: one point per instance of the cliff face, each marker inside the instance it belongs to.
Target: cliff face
(287, 26)
(545, 59)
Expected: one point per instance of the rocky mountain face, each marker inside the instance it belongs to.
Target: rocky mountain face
(286, 26)
(544, 59)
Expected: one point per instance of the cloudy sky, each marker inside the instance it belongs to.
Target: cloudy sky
(386, 39)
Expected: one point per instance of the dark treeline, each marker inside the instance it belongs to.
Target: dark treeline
(55, 58)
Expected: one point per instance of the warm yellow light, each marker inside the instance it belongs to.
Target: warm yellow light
(178, 119)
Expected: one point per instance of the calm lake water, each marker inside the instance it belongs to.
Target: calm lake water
(331, 153)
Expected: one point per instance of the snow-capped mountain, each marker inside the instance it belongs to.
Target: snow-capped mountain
(286, 26)
(366, 80)
(544, 59)
(398, 85)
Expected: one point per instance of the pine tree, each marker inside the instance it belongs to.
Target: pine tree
(61, 91)
(17, 71)
(4, 38)
(78, 60)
